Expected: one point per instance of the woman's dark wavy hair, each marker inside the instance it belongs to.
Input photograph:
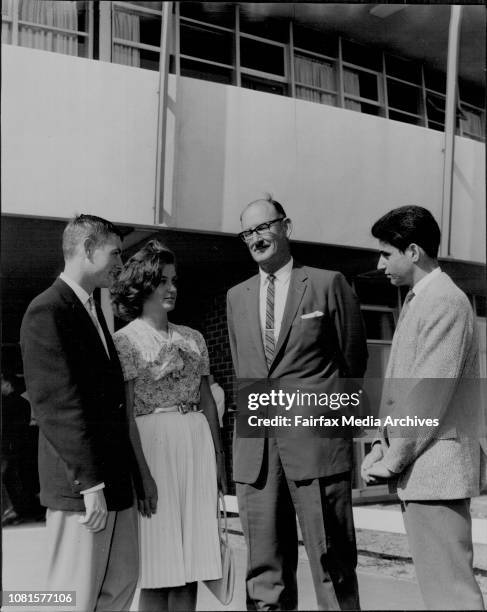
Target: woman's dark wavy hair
(140, 276)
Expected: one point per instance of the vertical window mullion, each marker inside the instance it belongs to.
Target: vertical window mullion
(177, 39)
(292, 78)
(384, 86)
(91, 30)
(238, 72)
(105, 33)
(15, 23)
(424, 97)
(341, 93)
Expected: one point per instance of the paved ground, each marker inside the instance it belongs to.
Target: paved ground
(386, 574)
(24, 551)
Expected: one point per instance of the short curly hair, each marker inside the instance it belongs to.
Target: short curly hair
(140, 277)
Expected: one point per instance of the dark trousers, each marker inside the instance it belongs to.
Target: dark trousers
(268, 510)
(440, 541)
(13, 485)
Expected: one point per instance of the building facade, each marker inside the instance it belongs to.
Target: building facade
(167, 118)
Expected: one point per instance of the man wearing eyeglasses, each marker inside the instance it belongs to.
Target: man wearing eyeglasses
(295, 322)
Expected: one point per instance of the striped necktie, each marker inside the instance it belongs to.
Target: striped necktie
(94, 317)
(269, 340)
(405, 306)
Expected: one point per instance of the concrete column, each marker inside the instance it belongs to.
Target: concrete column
(450, 127)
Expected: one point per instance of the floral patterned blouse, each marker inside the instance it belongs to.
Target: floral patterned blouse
(165, 371)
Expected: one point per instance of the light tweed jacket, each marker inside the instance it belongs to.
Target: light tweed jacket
(436, 339)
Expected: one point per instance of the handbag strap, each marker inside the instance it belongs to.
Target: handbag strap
(223, 530)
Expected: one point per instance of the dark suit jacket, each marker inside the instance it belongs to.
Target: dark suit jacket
(77, 397)
(321, 347)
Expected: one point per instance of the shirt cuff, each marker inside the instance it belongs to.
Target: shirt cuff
(97, 487)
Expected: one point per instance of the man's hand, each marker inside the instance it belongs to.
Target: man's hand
(95, 517)
(376, 453)
(148, 505)
(378, 472)
(221, 474)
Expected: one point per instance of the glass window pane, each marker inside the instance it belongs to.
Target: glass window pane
(206, 72)
(481, 305)
(434, 80)
(314, 72)
(471, 122)
(217, 13)
(312, 40)
(378, 325)
(361, 55)
(155, 6)
(373, 290)
(435, 107)
(261, 56)
(272, 29)
(403, 97)
(6, 33)
(398, 116)
(482, 330)
(358, 83)
(312, 95)
(137, 27)
(139, 58)
(69, 16)
(471, 94)
(206, 43)
(258, 84)
(403, 69)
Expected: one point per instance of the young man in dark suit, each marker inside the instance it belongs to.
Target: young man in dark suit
(295, 322)
(75, 386)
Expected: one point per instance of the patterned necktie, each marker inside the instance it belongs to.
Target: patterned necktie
(96, 322)
(269, 340)
(405, 306)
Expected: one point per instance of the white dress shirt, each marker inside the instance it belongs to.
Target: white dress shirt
(421, 284)
(281, 288)
(83, 297)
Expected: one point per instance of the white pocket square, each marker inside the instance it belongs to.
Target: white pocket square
(312, 315)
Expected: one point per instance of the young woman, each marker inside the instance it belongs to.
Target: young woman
(175, 433)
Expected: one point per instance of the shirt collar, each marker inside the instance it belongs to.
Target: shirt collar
(421, 284)
(81, 294)
(282, 275)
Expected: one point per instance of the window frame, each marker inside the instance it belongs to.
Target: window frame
(131, 9)
(16, 23)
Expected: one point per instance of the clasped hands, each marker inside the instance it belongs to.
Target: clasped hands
(373, 469)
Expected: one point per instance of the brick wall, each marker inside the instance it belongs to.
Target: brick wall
(216, 336)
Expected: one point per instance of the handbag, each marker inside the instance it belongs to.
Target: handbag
(222, 588)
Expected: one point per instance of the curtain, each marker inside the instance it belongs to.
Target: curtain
(7, 11)
(59, 14)
(127, 27)
(314, 73)
(471, 123)
(351, 85)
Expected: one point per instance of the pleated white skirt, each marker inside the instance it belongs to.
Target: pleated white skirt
(179, 544)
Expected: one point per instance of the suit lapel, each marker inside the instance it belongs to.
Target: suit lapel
(297, 287)
(87, 328)
(253, 315)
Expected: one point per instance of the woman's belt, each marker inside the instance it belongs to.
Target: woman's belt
(182, 408)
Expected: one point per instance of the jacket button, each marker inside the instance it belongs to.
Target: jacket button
(390, 402)
(76, 482)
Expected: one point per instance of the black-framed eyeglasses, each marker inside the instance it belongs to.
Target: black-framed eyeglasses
(246, 235)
